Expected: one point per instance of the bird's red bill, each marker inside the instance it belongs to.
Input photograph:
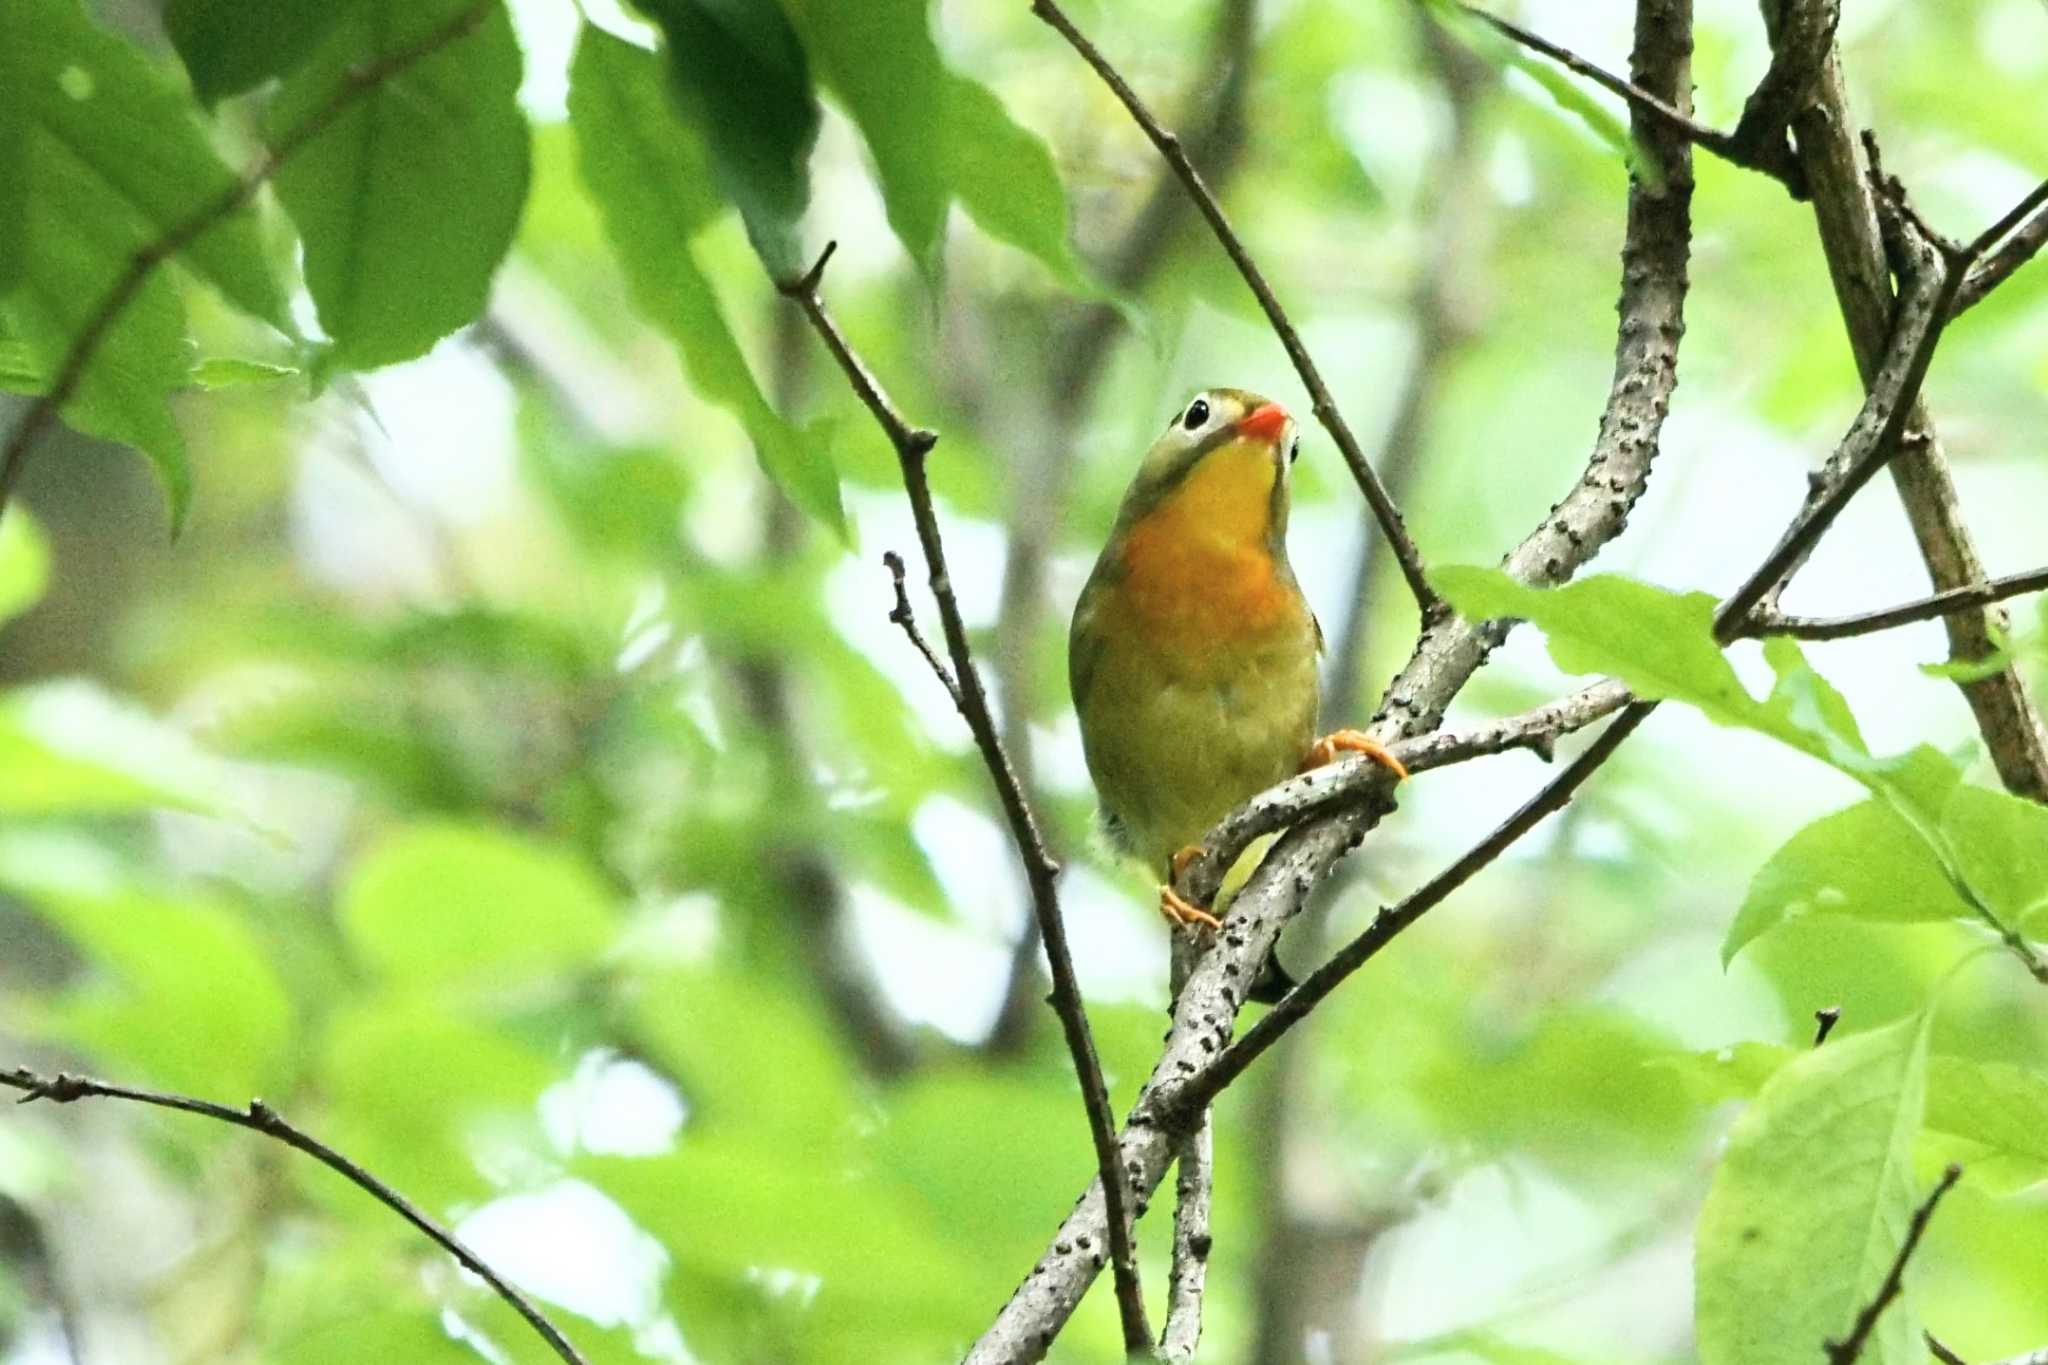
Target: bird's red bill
(1264, 424)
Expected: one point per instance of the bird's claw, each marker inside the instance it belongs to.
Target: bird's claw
(1185, 914)
(1326, 749)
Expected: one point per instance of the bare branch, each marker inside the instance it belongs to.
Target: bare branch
(1361, 782)
(1325, 406)
(912, 445)
(1802, 32)
(1764, 157)
(901, 615)
(2015, 250)
(1920, 609)
(71, 370)
(1192, 1191)
(1845, 1351)
(261, 1118)
(1845, 213)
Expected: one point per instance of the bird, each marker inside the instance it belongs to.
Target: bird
(1192, 653)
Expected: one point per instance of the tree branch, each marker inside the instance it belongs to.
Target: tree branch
(1920, 609)
(1872, 439)
(1770, 159)
(1845, 214)
(1845, 1351)
(1802, 32)
(261, 1118)
(71, 370)
(1193, 1188)
(1324, 406)
(2017, 249)
(912, 445)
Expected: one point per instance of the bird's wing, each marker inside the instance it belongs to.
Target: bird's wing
(1084, 645)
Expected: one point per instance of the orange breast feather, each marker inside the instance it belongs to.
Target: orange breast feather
(1198, 577)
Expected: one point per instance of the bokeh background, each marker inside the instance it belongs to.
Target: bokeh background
(500, 778)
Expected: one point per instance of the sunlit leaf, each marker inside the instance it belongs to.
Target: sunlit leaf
(408, 199)
(2001, 848)
(177, 991)
(646, 168)
(457, 903)
(1865, 861)
(1810, 1203)
(94, 103)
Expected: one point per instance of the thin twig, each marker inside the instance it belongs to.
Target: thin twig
(261, 1118)
(71, 370)
(1919, 609)
(1845, 1351)
(1824, 1021)
(1763, 158)
(912, 445)
(1323, 404)
(1941, 1352)
(901, 615)
(2016, 250)
(1847, 221)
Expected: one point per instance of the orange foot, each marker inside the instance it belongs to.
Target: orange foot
(1183, 913)
(1326, 749)
(1180, 911)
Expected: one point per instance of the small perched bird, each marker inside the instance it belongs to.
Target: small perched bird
(1192, 655)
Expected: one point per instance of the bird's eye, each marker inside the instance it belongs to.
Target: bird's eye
(1293, 449)
(1198, 413)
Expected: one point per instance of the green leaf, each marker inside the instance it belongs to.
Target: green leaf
(408, 200)
(1660, 643)
(72, 748)
(747, 90)
(936, 135)
(413, 1092)
(179, 995)
(1866, 862)
(2001, 849)
(1998, 1114)
(14, 155)
(227, 50)
(449, 902)
(24, 564)
(1003, 174)
(879, 59)
(94, 104)
(1810, 1204)
(684, 1019)
(646, 169)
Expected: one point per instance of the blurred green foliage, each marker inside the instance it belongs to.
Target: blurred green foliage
(510, 784)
